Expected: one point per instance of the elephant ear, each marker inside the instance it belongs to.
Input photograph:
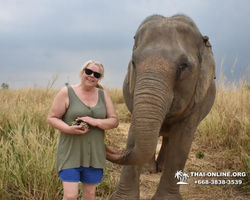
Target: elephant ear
(207, 71)
(131, 78)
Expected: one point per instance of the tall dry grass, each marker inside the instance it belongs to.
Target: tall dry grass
(225, 132)
(28, 145)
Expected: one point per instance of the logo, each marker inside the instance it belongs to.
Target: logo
(181, 176)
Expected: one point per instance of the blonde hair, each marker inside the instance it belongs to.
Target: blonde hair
(98, 64)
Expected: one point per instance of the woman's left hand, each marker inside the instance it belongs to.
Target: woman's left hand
(89, 120)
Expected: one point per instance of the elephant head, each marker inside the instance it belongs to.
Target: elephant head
(170, 76)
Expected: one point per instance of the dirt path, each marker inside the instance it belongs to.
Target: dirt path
(191, 191)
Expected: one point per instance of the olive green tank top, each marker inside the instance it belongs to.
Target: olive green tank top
(87, 149)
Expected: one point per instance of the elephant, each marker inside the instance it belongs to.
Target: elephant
(169, 88)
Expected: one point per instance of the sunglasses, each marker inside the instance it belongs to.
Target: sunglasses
(89, 72)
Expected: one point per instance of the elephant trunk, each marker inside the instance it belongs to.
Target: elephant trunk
(152, 100)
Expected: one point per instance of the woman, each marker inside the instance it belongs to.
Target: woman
(81, 153)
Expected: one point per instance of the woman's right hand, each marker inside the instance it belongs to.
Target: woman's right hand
(77, 130)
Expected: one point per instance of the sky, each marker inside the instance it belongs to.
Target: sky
(42, 39)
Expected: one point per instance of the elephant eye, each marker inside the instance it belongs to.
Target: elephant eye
(182, 70)
(183, 66)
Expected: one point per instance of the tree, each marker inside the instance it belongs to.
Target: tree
(181, 176)
(185, 177)
(67, 83)
(178, 174)
(5, 86)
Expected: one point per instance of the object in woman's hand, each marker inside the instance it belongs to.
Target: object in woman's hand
(83, 125)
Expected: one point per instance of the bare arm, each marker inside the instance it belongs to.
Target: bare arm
(110, 122)
(57, 110)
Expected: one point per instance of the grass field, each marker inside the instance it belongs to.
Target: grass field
(28, 145)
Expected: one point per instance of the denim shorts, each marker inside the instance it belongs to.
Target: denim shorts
(88, 175)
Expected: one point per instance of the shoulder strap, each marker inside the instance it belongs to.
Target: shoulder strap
(101, 93)
(70, 93)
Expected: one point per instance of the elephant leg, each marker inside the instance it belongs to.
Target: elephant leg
(150, 166)
(128, 187)
(162, 154)
(180, 140)
(157, 165)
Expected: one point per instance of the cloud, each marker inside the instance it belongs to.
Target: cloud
(39, 38)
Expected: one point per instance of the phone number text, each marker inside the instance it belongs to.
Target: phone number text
(218, 182)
